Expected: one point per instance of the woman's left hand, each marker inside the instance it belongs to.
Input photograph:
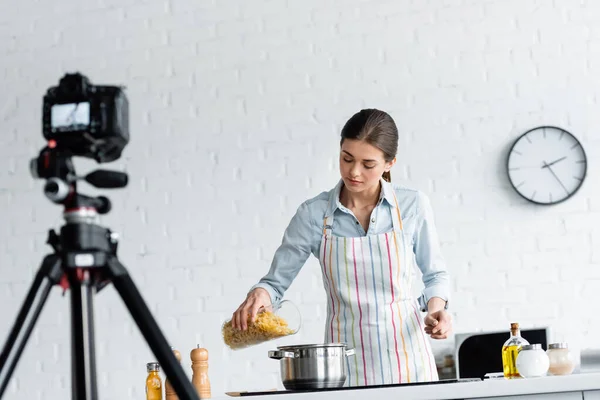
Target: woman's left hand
(438, 324)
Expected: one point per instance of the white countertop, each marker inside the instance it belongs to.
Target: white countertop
(493, 387)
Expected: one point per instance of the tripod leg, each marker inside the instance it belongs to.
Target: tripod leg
(49, 274)
(83, 368)
(158, 344)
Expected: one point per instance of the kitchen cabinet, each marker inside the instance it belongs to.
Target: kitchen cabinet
(591, 395)
(545, 396)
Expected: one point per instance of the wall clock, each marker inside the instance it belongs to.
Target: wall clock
(546, 165)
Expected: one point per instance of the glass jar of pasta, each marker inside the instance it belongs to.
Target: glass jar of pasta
(272, 322)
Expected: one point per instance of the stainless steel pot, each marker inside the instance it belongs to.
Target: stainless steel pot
(312, 366)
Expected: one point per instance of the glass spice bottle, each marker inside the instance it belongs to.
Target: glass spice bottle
(153, 382)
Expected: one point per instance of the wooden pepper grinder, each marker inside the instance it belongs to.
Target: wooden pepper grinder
(200, 379)
(169, 392)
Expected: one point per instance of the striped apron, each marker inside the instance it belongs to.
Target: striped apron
(370, 306)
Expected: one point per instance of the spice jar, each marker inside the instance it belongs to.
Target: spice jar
(532, 361)
(561, 359)
(153, 382)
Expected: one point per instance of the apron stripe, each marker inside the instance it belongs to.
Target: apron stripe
(400, 313)
(360, 324)
(337, 260)
(366, 281)
(350, 304)
(376, 311)
(421, 329)
(387, 338)
(387, 242)
(412, 331)
(331, 289)
(413, 345)
(335, 292)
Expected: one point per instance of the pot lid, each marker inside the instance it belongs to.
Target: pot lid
(310, 346)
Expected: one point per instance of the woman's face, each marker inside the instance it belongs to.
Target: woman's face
(361, 165)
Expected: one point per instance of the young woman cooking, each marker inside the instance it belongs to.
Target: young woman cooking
(367, 234)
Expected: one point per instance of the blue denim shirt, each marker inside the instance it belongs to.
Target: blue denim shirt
(304, 232)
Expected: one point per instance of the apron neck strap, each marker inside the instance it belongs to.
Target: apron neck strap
(328, 226)
(396, 217)
(328, 221)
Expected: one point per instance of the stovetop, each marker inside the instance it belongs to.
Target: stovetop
(275, 392)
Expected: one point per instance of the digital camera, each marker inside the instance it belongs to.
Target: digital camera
(85, 120)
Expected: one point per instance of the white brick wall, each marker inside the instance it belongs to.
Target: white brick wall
(236, 108)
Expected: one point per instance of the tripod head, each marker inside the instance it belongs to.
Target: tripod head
(57, 168)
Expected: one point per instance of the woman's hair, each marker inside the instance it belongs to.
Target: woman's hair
(376, 128)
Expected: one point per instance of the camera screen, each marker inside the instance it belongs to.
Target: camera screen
(70, 117)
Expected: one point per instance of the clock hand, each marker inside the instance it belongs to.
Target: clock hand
(552, 172)
(525, 167)
(553, 162)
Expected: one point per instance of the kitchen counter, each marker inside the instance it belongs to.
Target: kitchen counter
(577, 386)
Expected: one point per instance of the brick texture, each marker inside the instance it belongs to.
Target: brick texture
(236, 109)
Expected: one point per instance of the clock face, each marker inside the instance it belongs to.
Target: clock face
(547, 165)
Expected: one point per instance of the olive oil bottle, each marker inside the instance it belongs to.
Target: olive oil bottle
(510, 350)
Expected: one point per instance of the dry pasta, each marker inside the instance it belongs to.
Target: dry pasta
(267, 326)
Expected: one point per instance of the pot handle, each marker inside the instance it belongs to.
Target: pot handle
(350, 352)
(278, 355)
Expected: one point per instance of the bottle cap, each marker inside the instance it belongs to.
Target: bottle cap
(535, 346)
(561, 345)
(514, 326)
(153, 366)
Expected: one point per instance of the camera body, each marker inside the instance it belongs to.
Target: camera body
(81, 119)
(86, 120)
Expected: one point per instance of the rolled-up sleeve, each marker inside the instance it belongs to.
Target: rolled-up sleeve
(428, 255)
(296, 246)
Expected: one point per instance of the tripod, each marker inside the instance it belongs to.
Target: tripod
(84, 261)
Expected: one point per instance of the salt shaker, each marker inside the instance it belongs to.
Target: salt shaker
(561, 359)
(532, 361)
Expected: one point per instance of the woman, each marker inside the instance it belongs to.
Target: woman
(366, 234)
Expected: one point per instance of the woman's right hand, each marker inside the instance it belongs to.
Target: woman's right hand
(255, 300)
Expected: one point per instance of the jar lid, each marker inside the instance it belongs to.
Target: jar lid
(561, 345)
(152, 366)
(535, 346)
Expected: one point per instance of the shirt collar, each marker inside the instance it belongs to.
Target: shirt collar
(387, 194)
